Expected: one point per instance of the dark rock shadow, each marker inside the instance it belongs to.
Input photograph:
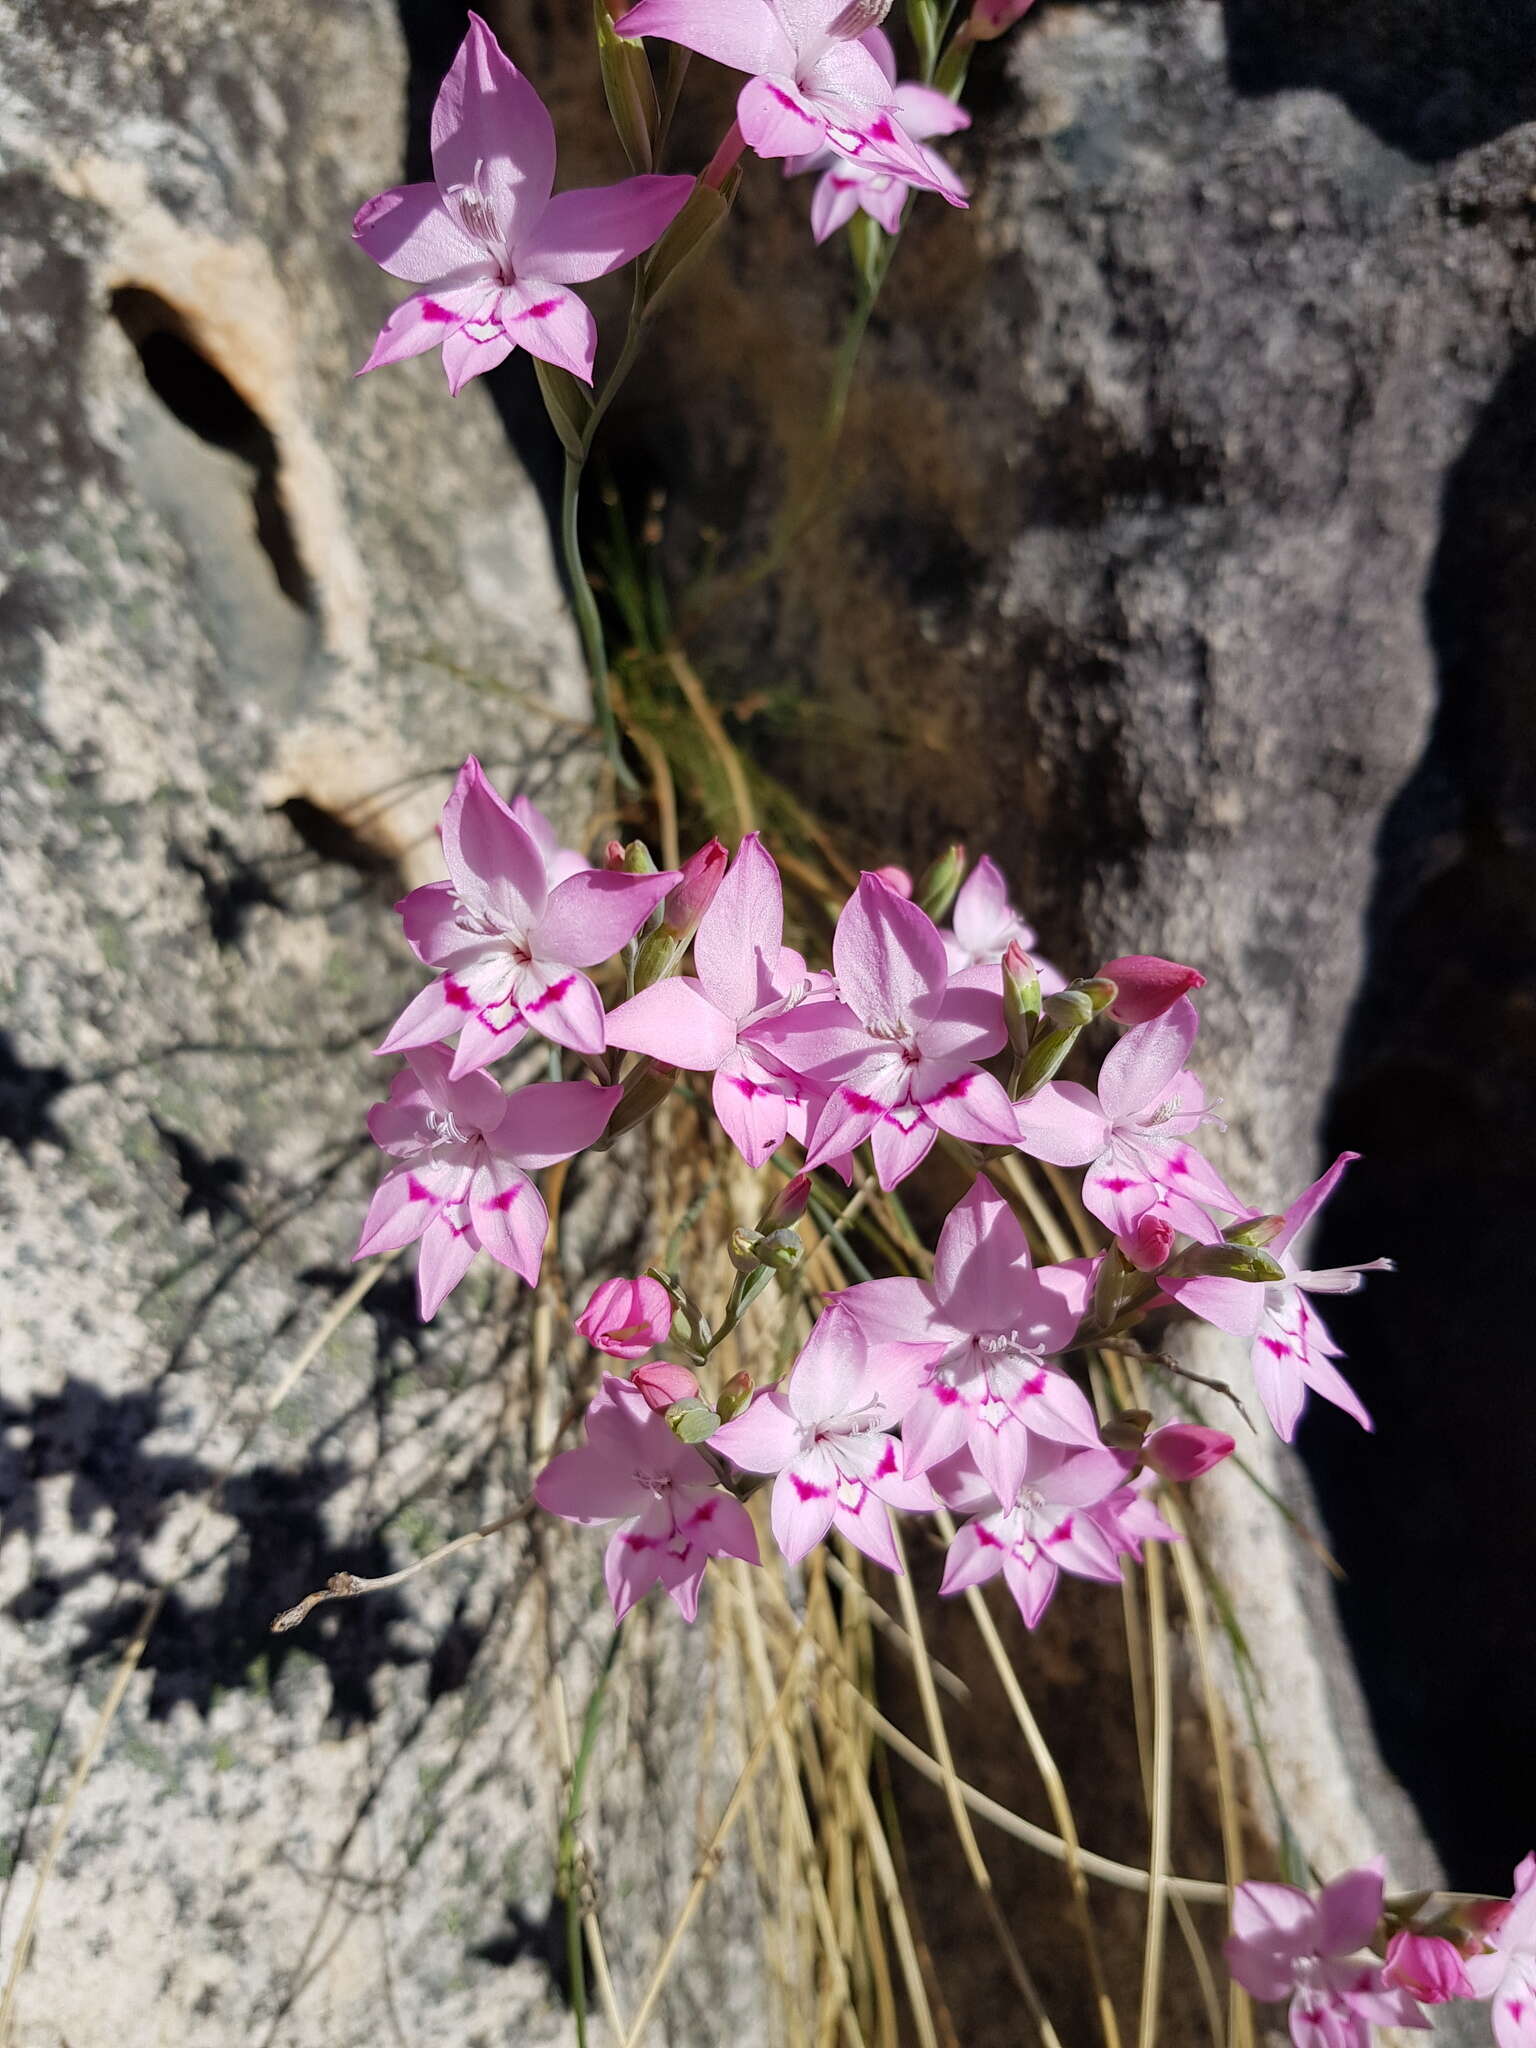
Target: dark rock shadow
(1437, 1089)
(1430, 78)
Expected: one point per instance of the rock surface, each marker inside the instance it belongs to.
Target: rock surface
(231, 581)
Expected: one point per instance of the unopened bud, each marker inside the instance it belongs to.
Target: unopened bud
(941, 884)
(1254, 1230)
(734, 1396)
(663, 1384)
(1109, 1287)
(1148, 1244)
(1183, 1450)
(1046, 1056)
(1099, 990)
(742, 1250)
(788, 1205)
(613, 857)
(782, 1250)
(1227, 1262)
(567, 403)
(991, 18)
(637, 859)
(1069, 1009)
(659, 953)
(895, 878)
(693, 1420)
(646, 1088)
(688, 899)
(629, 89)
(1021, 996)
(690, 234)
(1147, 986)
(1125, 1431)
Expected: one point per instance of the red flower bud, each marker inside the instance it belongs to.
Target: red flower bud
(1146, 986)
(1150, 1245)
(1183, 1450)
(702, 873)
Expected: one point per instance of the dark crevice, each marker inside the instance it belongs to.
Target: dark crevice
(27, 1095)
(208, 405)
(340, 844)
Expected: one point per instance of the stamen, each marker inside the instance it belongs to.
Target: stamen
(857, 19)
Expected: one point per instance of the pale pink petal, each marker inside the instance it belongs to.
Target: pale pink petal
(981, 1257)
(673, 1021)
(1053, 1303)
(421, 322)
(1188, 1173)
(631, 1566)
(471, 350)
(495, 867)
(408, 232)
(901, 1141)
(488, 1035)
(847, 1118)
(432, 919)
(975, 1555)
(777, 119)
(1001, 1451)
(552, 1120)
(446, 1255)
(1061, 1123)
(1236, 1306)
(834, 202)
(935, 1427)
(865, 1521)
(509, 1216)
(982, 914)
(832, 1375)
(588, 232)
(924, 111)
(804, 1501)
(1138, 1073)
(964, 1021)
(402, 1207)
(898, 1311)
(736, 950)
(884, 199)
(886, 953)
(754, 1116)
(974, 1106)
(764, 1437)
(724, 1528)
(878, 44)
(1306, 1205)
(551, 323)
(560, 1003)
(1032, 1582)
(821, 1038)
(593, 915)
(584, 1486)
(492, 134)
(439, 1011)
(1349, 1909)
(1277, 1376)
(1324, 1378)
(745, 36)
(1514, 2006)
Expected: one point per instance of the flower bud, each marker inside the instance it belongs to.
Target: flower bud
(1183, 1450)
(646, 1088)
(613, 857)
(1099, 990)
(788, 1205)
(1126, 1431)
(629, 89)
(991, 18)
(1149, 1245)
(663, 1384)
(1254, 1230)
(566, 401)
(1109, 1288)
(782, 1250)
(941, 884)
(742, 1250)
(734, 1396)
(1428, 1966)
(1021, 996)
(1147, 986)
(1069, 1009)
(690, 234)
(895, 878)
(1047, 1054)
(687, 900)
(637, 859)
(693, 1420)
(626, 1318)
(1226, 1262)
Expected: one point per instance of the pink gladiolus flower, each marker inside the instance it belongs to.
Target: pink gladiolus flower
(511, 943)
(1293, 1349)
(744, 974)
(896, 1057)
(627, 1318)
(1507, 1974)
(465, 1150)
(492, 252)
(1148, 986)
(845, 188)
(813, 84)
(1047, 1530)
(826, 1432)
(1428, 1967)
(985, 924)
(1183, 1450)
(1130, 1137)
(663, 1384)
(672, 1516)
(995, 1319)
(1285, 1945)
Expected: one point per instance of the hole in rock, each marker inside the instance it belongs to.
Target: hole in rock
(198, 393)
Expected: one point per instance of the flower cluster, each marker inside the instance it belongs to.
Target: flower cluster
(1350, 1959)
(953, 1392)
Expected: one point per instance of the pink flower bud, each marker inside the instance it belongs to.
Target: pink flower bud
(895, 878)
(788, 1205)
(703, 872)
(1183, 1450)
(613, 856)
(991, 18)
(663, 1384)
(1149, 1246)
(627, 1318)
(1428, 1966)
(1147, 986)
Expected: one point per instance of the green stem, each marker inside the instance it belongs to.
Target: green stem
(570, 1877)
(588, 619)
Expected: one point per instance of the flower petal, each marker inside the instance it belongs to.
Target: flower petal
(1349, 1909)
(745, 36)
(754, 1115)
(422, 322)
(402, 1207)
(886, 953)
(737, 946)
(901, 1141)
(764, 1437)
(593, 915)
(835, 200)
(408, 232)
(588, 232)
(583, 1486)
(804, 1500)
(509, 1216)
(980, 1259)
(447, 1253)
(1061, 1123)
(551, 323)
(777, 119)
(1138, 1072)
(552, 1120)
(560, 1003)
(495, 867)
(469, 351)
(1306, 1205)
(491, 133)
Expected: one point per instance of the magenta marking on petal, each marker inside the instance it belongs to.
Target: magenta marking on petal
(746, 1087)
(944, 1393)
(783, 99)
(887, 1464)
(864, 1104)
(541, 311)
(455, 993)
(414, 1190)
(431, 310)
(986, 1539)
(704, 1512)
(1177, 1163)
(1277, 1345)
(1062, 1533)
(806, 1489)
(634, 1540)
(881, 130)
(1119, 1186)
(952, 1091)
(505, 1198)
(1514, 2007)
(1037, 1384)
(552, 994)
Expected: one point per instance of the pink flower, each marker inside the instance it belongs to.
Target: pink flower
(847, 188)
(813, 81)
(511, 941)
(627, 1318)
(663, 1384)
(1130, 1137)
(985, 924)
(465, 1150)
(1047, 1530)
(492, 251)
(827, 1433)
(896, 1057)
(1507, 1973)
(1293, 1350)
(1148, 986)
(1285, 1945)
(744, 974)
(1426, 1966)
(672, 1516)
(994, 1320)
